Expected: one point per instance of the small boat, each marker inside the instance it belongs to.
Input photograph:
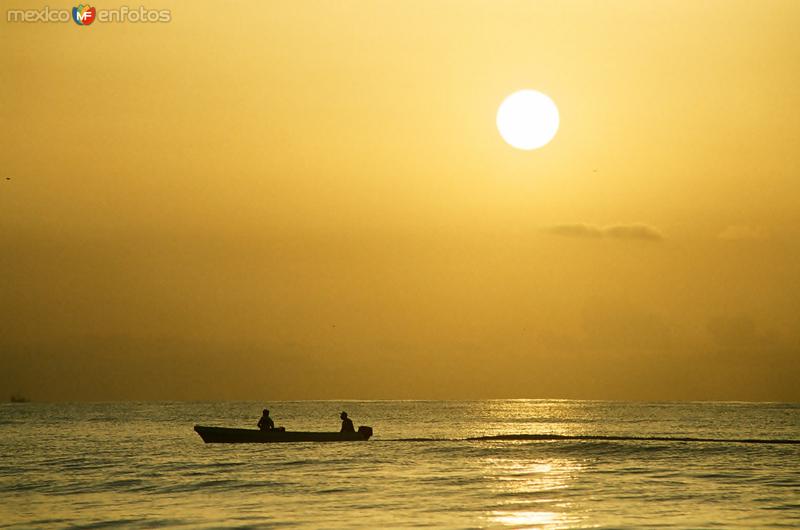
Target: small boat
(238, 436)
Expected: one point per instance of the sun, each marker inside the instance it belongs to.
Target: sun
(527, 119)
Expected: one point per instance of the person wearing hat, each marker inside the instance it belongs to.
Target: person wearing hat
(266, 423)
(347, 423)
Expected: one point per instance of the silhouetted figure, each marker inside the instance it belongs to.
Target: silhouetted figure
(347, 423)
(266, 423)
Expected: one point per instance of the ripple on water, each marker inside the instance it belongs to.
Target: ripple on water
(151, 470)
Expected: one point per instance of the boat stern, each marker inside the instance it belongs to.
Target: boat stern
(365, 431)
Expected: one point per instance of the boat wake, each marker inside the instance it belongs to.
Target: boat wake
(560, 437)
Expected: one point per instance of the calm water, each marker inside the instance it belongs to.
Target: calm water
(140, 465)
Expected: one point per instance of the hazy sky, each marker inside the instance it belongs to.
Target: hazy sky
(296, 200)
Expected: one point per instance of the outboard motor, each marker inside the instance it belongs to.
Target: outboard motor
(365, 431)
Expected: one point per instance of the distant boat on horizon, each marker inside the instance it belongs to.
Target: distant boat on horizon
(19, 398)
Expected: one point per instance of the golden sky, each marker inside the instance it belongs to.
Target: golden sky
(297, 200)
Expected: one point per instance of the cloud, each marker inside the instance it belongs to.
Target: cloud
(576, 230)
(635, 231)
(740, 232)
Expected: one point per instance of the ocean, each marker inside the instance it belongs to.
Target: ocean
(547, 464)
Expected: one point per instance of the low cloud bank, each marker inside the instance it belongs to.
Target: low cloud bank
(634, 231)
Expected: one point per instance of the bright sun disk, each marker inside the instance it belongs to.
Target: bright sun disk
(527, 119)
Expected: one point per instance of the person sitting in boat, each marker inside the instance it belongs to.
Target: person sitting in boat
(266, 423)
(347, 423)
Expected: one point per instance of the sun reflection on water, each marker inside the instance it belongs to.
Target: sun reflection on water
(529, 490)
(528, 484)
(523, 519)
(533, 417)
